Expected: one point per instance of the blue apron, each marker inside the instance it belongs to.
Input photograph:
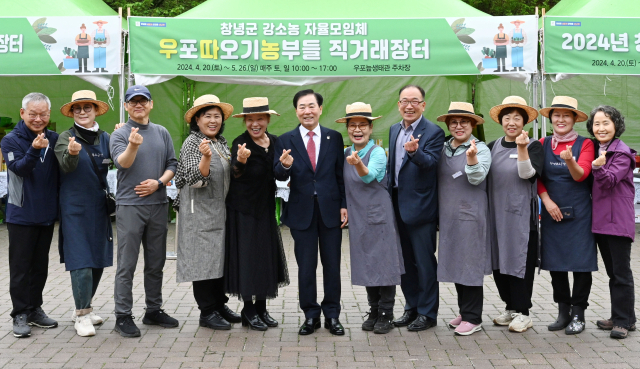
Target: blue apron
(517, 52)
(100, 53)
(85, 236)
(568, 245)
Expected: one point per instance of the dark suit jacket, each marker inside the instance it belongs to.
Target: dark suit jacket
(418, 189)
(326, 181)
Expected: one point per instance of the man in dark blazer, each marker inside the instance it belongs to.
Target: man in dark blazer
(317, 208)
(415, 145)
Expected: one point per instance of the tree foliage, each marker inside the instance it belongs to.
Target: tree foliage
(511, 7)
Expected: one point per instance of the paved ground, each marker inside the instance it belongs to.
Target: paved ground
(190, 346)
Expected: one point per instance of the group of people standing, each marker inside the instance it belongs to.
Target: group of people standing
(482, 199)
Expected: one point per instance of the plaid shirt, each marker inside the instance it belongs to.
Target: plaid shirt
(188, 172)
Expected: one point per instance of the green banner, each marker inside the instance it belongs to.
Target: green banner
(297, 47)
(586, 45)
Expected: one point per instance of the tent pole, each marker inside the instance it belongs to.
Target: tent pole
(121, 77)
(534, 103)
(543, 85)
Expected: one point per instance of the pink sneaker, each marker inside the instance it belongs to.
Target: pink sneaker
(455, 322)
(466, 329)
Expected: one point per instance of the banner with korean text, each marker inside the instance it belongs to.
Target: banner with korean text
(585, 45)
(332, 47)
(60, 45)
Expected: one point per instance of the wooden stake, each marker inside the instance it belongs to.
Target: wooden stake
(128, 12)
(120, 12)
(536, 11)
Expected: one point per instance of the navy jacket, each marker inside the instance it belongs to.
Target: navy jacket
(32, 182)
(418, 189)
(326, 181)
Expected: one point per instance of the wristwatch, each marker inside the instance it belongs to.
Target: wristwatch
(160, 184)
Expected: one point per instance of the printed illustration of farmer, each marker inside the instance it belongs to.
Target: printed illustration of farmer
(501, 40)
(83, 40)
(518, 40)
(101, 40)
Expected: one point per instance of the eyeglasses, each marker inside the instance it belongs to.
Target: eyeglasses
(412, 102)
(462, 123)
(79, 109)
(142, 102)
(42, 116)
(361, 126)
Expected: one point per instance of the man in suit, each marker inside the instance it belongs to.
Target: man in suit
(415, 145)
(317, 208)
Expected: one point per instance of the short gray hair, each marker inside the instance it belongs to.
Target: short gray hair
(35, 97)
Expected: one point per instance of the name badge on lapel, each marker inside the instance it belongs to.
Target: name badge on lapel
(513, 156)
(456, 174)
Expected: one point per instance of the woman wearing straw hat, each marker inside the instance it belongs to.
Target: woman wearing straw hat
(464, 253)
(85, 234)
(613, 214)
(516, 163)
(567, 242)
(376, 255)
(255, 264)
(203, 180)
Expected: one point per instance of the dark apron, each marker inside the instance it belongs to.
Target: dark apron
(464, 252)
(376, 254)
(501, 50)
(85, 236)
(510, 208)
(568, 245)
(83, 51)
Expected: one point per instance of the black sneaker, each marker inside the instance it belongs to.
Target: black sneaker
(126, 327)
(384, 323)
(159, 317)
(40, 319)
(215, 321)
(229, 315)
(368, 324)
(20, 327)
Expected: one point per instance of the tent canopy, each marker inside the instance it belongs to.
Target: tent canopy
(597, 8)
(58, 88)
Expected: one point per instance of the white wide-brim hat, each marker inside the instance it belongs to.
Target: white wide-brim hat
(208, 100)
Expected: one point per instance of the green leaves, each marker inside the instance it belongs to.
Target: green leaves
(455, 26)
(39, 24)
(44, 33)
(463, 32)
(47, 39)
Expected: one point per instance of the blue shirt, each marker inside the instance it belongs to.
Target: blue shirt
(403, 137)
(377, 162)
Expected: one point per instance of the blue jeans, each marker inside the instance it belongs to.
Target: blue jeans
(84, 283)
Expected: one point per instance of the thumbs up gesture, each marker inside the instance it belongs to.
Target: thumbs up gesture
(411, 145)
(566, 154)
(135, 138)
(286, 159)
(243, 153)
(354, 158)
(601, 160)
(523, 138)
(74, 147)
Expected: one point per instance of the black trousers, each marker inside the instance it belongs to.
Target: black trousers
(381, 298)
(306, 251)
(470, 303)
(581, 288)
(28, 265)
(209, 295)
(516, 292)
(616, 255)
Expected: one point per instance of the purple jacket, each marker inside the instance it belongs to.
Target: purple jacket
(613, 192)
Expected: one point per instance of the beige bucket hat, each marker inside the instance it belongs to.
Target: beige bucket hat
(208, 100)
(565, 102)
(358, 110)
(513, 102)
(461, 109)
(255, 105)
(84, 96)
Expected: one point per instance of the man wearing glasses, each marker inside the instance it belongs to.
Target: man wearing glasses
(32, 209)
(144, 155)
(415, 145)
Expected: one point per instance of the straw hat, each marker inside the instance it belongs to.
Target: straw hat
(513, 102)
(518, 20)
(565, 102)
(255, 105)
(84, 96)
(100, 21)
(461, 109)
(208, 100)
(358, 110)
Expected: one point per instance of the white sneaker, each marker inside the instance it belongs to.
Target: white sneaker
(95, 320)
(520, 323)
(83, 326)
(505, 318)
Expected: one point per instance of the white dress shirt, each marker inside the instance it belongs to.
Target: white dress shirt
(316, 138)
